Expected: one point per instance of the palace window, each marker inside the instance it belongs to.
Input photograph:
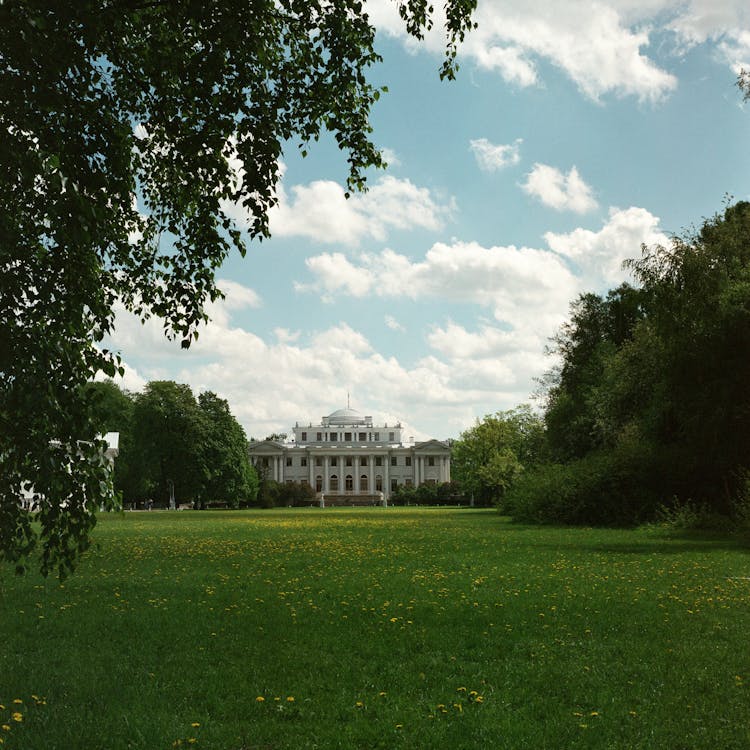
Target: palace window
(378, 483)
(349, 483)
(362, 437)
(288, 460)
(304, 437)
(334, 437)
(378, 460)
(318, 461)
(319, 436)
(334, 461)
(408, 460)
(348, 437)
(377, 437)
(348, 460)
(334, 483)
(408, 482)
(391, 436)
(363, 483)
(394, 485)
(319, 483)
(394, 461)
(363, 461)
(303, 461)
(431, 461)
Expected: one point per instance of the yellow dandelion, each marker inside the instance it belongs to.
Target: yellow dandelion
(399, 726)
(461, 690)
(290, 699)
(6, 727)
(359, 704)
(17, 716)
(479, 699)
(192, 740)
(382, 693)
(594, 713)
(17, 701)
(195, 724)
(458, 707)
(260, 699)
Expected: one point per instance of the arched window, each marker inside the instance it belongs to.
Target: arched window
(334, 483)
(363, 483)
(378, 483)
(349, 483)
(319, 483)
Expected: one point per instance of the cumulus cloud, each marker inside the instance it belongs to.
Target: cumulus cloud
(601, 46)
(393, 324)
(491, 157)
(600, 255)
(320, 210)
(527, 288)
(563, 192)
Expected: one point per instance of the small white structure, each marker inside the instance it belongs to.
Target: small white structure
(112, 451)
(349, 460)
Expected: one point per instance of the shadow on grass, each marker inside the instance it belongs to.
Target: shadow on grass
(660, 543)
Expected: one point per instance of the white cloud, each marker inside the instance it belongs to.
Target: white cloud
(390, 157)
(321, 212)
(559, 191)
(491, 157)
(599, 45)
(600, 254)
(510, 281)
(393, 324)
(526, 288)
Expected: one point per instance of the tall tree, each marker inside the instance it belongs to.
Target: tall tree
(111, 410)
(103, 100)
(167, 433)
(489, 456)
(228, 476)
(597, 328)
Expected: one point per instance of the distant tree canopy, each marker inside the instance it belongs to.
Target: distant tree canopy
(651, 401)
(171, 442)
(103, 101)
(489, 456)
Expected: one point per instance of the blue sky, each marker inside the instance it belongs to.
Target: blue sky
(572, 135)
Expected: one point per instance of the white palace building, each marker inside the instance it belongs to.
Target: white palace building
(349, 460)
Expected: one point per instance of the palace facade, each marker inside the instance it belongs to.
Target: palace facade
(349, 460)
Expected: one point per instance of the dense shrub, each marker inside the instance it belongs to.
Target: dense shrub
(602, 488)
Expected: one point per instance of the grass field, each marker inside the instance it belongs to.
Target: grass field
(378, 628)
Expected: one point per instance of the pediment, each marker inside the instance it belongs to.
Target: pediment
(265, 447)
(431, 446)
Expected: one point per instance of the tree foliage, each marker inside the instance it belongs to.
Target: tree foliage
(103, 101)
(655, 409)
(489, 456)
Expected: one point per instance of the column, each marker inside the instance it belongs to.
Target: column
(371, 474)
(356, 475)
(326, 475)
(311, 469)
(386, 475)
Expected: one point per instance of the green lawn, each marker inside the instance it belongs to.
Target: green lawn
(394, 628)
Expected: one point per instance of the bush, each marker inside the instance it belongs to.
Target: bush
(609, 488)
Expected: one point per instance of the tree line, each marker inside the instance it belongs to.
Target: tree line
(648, 408)
(174, 446)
